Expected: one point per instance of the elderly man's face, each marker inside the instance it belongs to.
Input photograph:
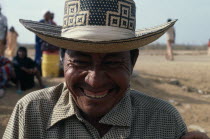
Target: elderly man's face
(97, 81)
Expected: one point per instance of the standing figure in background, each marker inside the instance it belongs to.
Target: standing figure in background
(6, 73)
(209, 47)
(3, 33)
(38, 51)
(11, 43)
(170, 38)
(50, 56)
(61, 50)
(25, 70)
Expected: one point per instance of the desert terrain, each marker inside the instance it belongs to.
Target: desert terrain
(184, 82)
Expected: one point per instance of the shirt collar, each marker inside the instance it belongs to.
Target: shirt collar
(121, 114)
(65, 107)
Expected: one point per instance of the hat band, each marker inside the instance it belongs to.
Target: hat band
(97, 33)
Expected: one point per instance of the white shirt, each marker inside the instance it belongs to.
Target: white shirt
(170, 34)
(3, 25)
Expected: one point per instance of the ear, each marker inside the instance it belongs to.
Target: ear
(62, 54)
(134, 55)
(65, 62)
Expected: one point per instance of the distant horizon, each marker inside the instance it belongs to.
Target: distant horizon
(192, 28)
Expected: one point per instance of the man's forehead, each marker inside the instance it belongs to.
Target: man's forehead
(72, 53)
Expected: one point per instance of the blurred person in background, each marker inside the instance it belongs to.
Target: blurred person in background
(50, 60)
(3, 32)
(209, 47)
(11, 43)
(52, 19)
(50, 56)
(38, 43)
(6, 73)
(25, 70)
(61, 51)
(170, 38)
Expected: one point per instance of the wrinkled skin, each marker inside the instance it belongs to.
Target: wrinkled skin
(97, 81)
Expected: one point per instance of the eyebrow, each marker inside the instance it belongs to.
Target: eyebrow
(76, 54)
(114, 55)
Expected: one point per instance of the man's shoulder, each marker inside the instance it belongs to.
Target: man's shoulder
(142, 101)
(44, 96)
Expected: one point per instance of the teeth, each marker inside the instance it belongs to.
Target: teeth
(95, 95)
(92, 96)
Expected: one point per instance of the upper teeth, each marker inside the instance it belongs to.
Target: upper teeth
(94, 96)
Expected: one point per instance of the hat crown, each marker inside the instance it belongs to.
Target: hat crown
(113, 13)
(99, 26)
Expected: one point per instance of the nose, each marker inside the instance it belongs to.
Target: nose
(97, 78)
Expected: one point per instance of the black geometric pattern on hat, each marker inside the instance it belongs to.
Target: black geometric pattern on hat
(116, 13)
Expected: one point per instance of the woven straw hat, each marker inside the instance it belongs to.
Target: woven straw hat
(98, 26)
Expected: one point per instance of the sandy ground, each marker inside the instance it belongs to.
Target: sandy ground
(183, 82)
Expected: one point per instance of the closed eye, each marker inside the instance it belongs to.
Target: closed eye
(112, 64)
(80, 63)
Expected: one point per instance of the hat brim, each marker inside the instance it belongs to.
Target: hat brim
(52, 35)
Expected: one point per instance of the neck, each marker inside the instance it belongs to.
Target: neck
(90, 119)
(94, 121)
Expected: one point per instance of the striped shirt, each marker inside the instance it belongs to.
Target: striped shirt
(52, 114)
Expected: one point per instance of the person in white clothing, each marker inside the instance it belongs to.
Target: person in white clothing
(209, 47)
(170, 38)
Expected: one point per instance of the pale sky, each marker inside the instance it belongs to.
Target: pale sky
(193, 26)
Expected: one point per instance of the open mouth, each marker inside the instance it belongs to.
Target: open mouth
(96, 95)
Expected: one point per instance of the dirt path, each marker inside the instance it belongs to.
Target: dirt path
(153, 75)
